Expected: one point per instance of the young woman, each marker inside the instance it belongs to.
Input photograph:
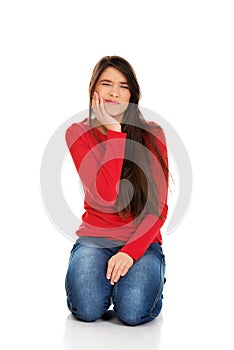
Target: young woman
(122, 162)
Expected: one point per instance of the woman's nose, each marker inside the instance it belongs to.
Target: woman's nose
(114, 91)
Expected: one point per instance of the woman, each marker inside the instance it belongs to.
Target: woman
(122, 162)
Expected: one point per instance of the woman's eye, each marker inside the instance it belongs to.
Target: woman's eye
(105, 84)
(124, 87)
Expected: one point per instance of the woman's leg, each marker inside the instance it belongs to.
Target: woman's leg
(88, 290)
(137, 297)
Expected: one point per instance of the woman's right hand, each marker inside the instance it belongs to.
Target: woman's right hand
(102, 116)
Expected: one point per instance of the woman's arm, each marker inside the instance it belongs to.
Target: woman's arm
(150, 226)
(99, 166)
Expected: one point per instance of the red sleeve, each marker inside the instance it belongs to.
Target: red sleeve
(150, 226)
(99, 166)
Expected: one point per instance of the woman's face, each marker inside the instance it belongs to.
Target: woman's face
(112, 86)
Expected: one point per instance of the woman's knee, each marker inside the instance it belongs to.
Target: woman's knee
(137, 297)
(134, 318)
(129, 318)
(135, 314)
(88, 290)
(87, 315)
(89, 309)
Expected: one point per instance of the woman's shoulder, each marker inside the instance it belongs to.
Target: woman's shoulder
(82, 125)
(155, 134)
(76, 130)
(152, 128)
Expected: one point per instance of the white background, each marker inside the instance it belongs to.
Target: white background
(182, 52)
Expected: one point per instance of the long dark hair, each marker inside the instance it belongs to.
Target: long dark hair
(141, 197)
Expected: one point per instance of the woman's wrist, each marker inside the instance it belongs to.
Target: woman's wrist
(115, 128)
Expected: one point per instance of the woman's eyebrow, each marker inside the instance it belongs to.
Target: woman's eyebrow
(109, 81)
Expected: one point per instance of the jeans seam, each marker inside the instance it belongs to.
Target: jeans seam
(160, 289)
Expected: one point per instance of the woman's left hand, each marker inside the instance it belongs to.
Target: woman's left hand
(118, 266)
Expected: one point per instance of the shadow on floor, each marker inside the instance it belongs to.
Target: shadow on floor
(110, 332)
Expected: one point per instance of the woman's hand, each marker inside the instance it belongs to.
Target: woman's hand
(118, 266)
(102, 116)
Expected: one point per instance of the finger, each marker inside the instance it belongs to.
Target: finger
(116, 274)
(110, 269)
(101, 109)
(124, 272)
(116, 277)
(97, 107)
(101, 105)
(113, 273)
(101, 101)
(94, 102)
(93, 97)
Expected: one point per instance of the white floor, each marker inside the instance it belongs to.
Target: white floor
(111, 333)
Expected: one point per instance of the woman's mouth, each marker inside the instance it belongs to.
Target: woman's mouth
(112, 102)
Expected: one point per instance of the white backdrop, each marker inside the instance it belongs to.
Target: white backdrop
(182, 52)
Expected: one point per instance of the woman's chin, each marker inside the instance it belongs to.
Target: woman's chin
(115, 110)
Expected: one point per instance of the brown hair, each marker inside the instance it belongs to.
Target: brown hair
(136, 165)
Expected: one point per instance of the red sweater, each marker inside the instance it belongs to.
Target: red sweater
(99, 165)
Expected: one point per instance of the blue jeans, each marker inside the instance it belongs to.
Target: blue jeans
(137, 296)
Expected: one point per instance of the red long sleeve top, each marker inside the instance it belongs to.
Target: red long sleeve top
(99, 165)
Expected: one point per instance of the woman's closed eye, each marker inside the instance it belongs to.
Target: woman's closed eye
(122, 86)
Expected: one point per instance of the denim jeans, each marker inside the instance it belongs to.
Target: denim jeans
(137, 296)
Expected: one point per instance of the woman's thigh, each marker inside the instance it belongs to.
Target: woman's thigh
(137, 296)
(88, 290)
